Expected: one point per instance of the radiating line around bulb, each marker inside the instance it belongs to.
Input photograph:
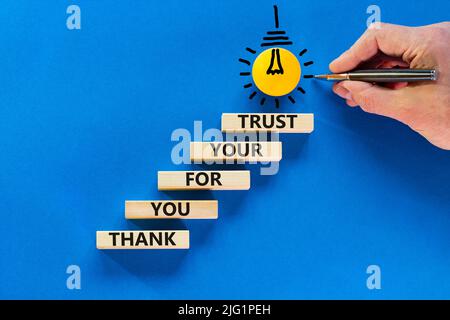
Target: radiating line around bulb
(301, 90)
(244, 61)
(291, 99)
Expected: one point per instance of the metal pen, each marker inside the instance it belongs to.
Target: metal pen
(383, 75)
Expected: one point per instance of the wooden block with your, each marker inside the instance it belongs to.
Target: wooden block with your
(250, 151)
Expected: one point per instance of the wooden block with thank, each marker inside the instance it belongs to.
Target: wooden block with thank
(251, 151)
(276, 122)
(172, 209)
(204, 180)
(148, 239)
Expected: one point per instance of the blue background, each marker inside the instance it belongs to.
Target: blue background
(86, 118)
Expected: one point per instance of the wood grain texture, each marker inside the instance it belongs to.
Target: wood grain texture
(172, 209)
(254, 151)
(272, 122)
(204, 180)
(144, 239)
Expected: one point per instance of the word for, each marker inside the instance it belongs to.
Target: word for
(189, 209)
(279, 122)
(208, 180)
(160, 239)
(203, 178)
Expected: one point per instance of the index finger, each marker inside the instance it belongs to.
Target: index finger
(390, 39)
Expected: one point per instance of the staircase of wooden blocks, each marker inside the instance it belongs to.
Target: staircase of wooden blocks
(248, 151)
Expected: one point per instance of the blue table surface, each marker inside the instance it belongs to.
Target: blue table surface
(86, 118)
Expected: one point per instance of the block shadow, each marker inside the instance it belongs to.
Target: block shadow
(150, 263)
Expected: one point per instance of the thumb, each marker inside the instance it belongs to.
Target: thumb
(378, 100)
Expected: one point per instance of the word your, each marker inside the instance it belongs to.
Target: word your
(242, 149)
(181, 150)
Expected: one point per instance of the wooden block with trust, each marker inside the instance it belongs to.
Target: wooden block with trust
(204, 180)
(149, 239)
(251, 151)
(276, 122)
(172, 209)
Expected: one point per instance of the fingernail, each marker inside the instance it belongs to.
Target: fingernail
(333, 62)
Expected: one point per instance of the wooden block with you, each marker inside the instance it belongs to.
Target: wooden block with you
(276, 122)
(154, 239)
(172, 209)
(204, 180)
(251, 151)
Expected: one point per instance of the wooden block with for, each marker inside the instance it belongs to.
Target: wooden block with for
(204, 180)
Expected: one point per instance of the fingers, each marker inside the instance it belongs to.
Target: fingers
(374, 99)
(341, 91)
(392, 40)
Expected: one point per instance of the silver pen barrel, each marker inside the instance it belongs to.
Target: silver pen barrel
(393, 75)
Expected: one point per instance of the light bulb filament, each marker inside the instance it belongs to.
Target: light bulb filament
(275, 66)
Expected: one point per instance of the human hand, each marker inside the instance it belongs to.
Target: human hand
(423, 106)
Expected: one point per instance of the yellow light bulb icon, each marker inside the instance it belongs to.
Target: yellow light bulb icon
(276, 72)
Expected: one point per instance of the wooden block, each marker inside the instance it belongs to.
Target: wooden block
(154, 239)
(276, 122)
(251, 151)
(173, 209)
(204, 180)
